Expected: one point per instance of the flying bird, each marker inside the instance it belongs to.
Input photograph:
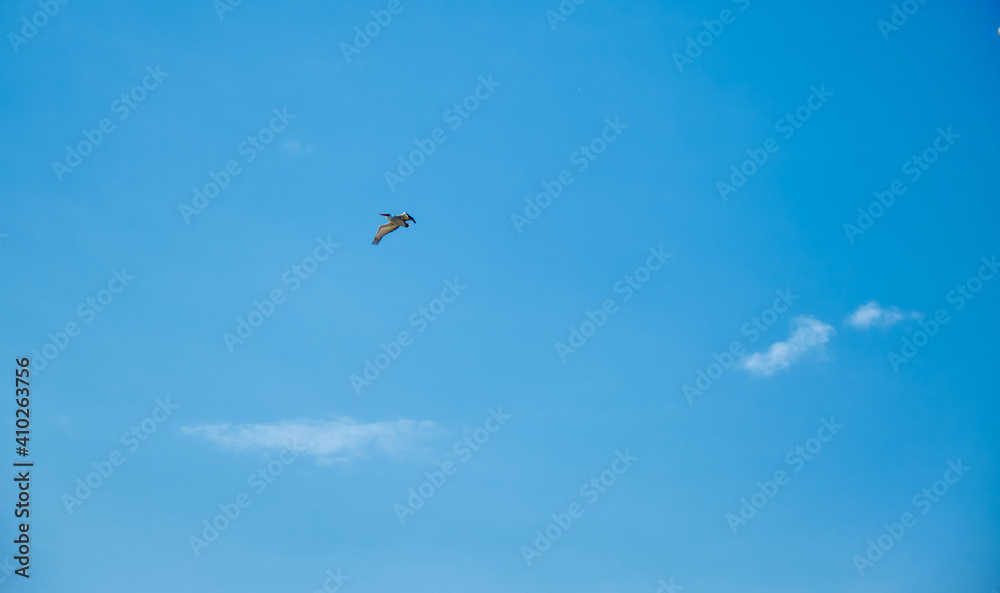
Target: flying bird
(394, 223)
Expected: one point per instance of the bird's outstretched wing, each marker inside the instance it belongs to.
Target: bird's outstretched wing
(383, 230)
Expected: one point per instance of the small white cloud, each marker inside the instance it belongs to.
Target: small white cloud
(808, 333)
(340, 439)
(294, 146)
(871, 314)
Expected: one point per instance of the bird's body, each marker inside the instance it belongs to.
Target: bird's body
(394, 223)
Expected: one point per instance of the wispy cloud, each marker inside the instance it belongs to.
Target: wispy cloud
(339, 439)
(808, 333)
(295, 146)
(871, 314)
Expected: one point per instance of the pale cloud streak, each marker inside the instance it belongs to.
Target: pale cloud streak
(339, 439)
(871, 314)
(808, 333)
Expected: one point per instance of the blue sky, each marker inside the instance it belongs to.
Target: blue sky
(689, 387)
